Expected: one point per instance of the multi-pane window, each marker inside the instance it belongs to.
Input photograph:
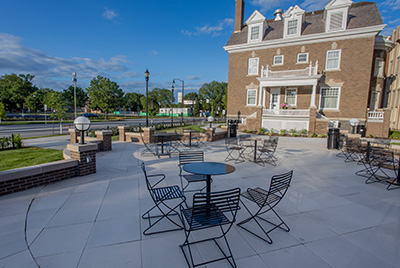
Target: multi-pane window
(253, 66)
(278, 60)
(302, 57)
(255, 33)
(251, 96)
(329, 98)
(291, 96)
(333, 59)
(292, 27)
(379, 63)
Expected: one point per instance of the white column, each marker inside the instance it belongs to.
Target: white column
(264, 97)
(313, 94)
(260, 95)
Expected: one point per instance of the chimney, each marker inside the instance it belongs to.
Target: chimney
(278, 14)
(239, 13)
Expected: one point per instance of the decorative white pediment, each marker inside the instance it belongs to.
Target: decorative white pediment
(338, 4)
(293, 21)
(257, 26)
(256, 17)
(336, 15)
(295, 11)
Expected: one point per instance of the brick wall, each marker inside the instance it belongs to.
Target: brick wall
(106, 137)
(29, 177)
(86, 156)
(356, 62)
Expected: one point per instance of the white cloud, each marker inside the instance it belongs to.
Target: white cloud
(194, 77)
(393, 4)
(211, 30)
(51, 71)
(153, 53)
(109, 14)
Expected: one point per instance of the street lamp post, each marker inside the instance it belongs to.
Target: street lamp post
(183, 94)
(34, 105)
(74, 80)
(146, 75)
(172, 107)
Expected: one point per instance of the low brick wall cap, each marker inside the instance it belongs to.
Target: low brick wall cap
(82, 147)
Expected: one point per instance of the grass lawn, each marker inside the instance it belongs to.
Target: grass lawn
(10, 159)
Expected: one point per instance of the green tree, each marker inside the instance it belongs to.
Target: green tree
(104, 94)
(2, 111)
(56, 101)
(37, 99)
(193, 96)
(214, 92)
(14, 89)
(81, 96)
(132, 101)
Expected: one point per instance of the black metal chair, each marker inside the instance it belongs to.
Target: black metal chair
(266, 153)
(217, 209)
(166, 199)
(233, 147)
(186, 157)
(266, 201)
(149, 148)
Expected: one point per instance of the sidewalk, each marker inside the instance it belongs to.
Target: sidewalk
(336, 220)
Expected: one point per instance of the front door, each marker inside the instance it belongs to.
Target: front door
(275, 98)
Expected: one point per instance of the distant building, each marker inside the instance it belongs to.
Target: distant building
(308, 70)
(392, 90)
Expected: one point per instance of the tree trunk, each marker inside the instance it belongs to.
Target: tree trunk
(105, 115)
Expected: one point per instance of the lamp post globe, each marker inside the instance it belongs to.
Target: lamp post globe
(82, 124)
(210, 119)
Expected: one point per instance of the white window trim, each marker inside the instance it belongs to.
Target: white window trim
(298, 29)
(380, 74)
(283, 58)
(260, 33)
(298, 56)
(248, 66)
(320, 98)
(247, 97)
(340, 59)
(344, 11)
(295, 99)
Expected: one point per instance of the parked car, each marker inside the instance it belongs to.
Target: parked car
(89, 115)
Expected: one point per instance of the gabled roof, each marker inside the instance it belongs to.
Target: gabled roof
(338, 4)
(256, 17)
(361, 14)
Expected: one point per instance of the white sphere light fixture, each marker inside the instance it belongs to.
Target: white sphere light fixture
(82, 124)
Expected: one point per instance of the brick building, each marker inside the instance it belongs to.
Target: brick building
(392, 90)
(307, 70)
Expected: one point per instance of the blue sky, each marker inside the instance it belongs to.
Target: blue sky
(120, 39)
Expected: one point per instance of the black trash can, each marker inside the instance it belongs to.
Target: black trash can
(333, 138)
(361, 130)
(232, 128)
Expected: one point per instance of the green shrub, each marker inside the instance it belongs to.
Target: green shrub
(282, 132)
(273, 131)
(262, 130)
(303, 132)
(293, 132)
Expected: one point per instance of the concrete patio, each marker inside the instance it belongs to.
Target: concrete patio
(336, 220)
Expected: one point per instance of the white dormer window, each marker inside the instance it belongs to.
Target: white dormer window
(257, 24)
(336, 14)
(293, 20)
(255, 33)
(292, 27)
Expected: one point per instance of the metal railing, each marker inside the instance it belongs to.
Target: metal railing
(309, 71)
(288, 112)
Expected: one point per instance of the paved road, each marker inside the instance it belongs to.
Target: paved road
(34, 130)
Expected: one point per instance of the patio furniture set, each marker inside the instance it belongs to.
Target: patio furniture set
(167, 143)
(380, 162)
(244, 147)
(209, 209)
